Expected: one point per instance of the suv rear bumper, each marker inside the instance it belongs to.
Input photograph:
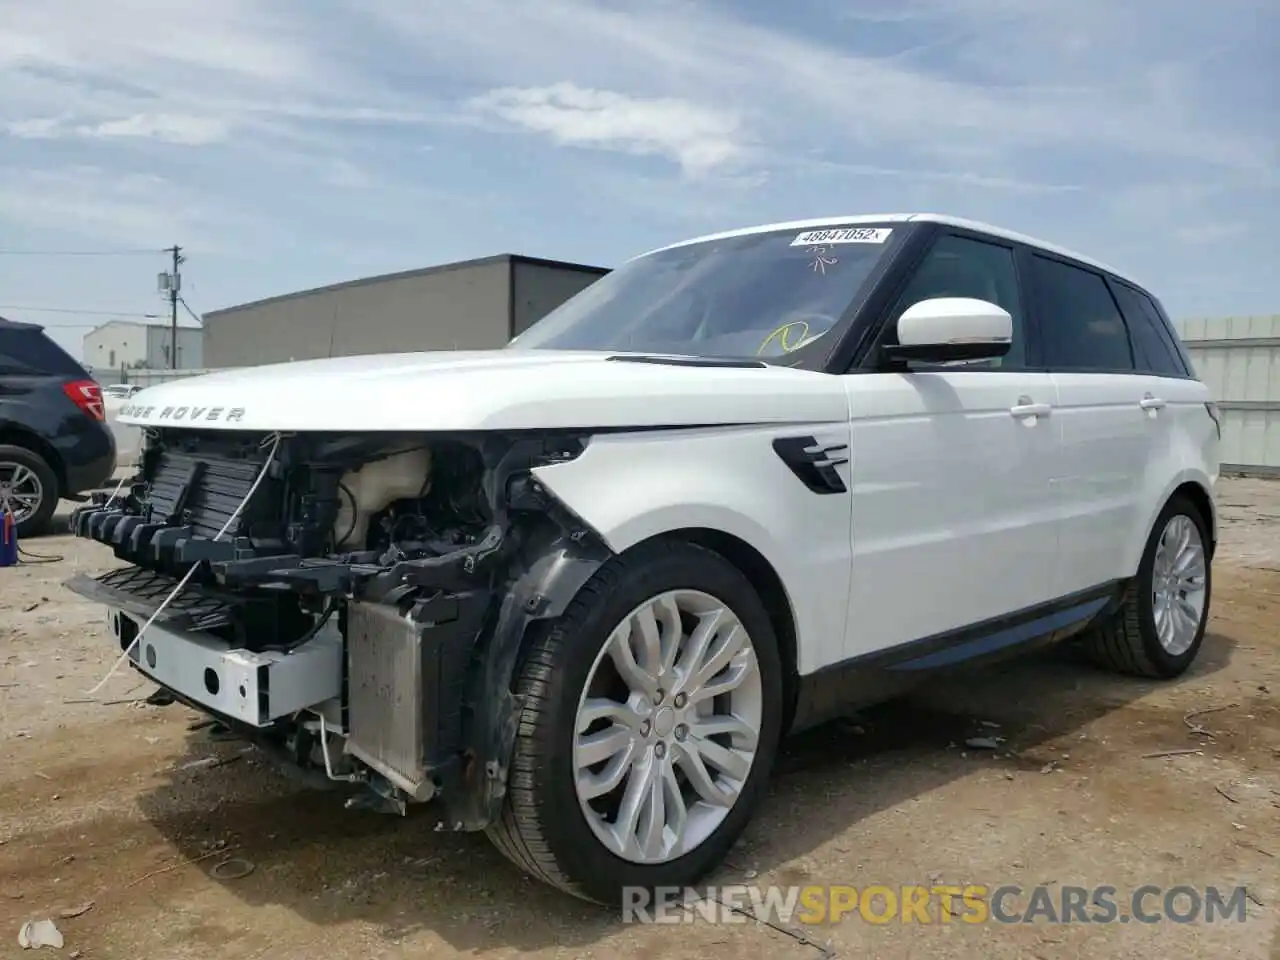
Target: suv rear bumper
(88, 455)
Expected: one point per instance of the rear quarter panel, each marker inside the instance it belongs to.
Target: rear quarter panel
(1187, 452)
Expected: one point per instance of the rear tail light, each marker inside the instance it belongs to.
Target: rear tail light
(87, 395)
(1217, 417)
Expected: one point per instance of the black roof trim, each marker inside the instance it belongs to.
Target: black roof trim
(508, 258)
(7, 324)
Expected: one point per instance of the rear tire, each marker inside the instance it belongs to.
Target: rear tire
(561, 823)
(23, 476)
(1159, 628)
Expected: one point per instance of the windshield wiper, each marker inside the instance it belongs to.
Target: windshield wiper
(689, 361)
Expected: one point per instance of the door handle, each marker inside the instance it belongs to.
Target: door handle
(1148, 402)
(1025, 408)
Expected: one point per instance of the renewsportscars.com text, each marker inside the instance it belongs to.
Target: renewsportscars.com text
(939, 903)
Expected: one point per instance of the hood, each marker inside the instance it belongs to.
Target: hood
(488, 390)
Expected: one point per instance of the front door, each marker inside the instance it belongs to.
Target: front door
(953, 520)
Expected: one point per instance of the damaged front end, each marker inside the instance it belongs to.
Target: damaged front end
(364, 610)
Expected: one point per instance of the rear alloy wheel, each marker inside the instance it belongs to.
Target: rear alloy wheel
(651, 720)
(1158, 630)
(28, 490)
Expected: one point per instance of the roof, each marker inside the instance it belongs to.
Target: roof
(157, 324)
(6, 324)
(409, 274)
(905, 218)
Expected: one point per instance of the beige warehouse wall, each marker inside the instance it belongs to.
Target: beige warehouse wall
(464, 309)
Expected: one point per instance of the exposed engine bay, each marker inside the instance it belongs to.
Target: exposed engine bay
(355, 604)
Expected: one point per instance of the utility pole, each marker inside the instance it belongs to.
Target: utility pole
(171, 283)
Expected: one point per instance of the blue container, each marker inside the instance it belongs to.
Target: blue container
(8, 540)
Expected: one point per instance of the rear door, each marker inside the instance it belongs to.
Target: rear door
(1179, 428)
(1103, 420)
(953, 520)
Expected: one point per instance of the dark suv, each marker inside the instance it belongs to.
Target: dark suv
(54, 439)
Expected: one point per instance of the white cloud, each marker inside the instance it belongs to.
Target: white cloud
(173, 128)
(1012, 89)
(132, 210)
(167, 127)
(35, 128)
(1210, 233)
(700, 139)
(807, 89)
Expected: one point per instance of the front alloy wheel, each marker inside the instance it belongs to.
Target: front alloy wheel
(651, 715)
(668, 726)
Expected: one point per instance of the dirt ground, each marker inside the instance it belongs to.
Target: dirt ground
(119, 805)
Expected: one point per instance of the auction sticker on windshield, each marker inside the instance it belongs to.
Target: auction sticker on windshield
(843, 235)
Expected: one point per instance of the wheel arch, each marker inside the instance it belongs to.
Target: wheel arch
(1197, 488)
(14, 436)
(769, 587)
(1203, 502)
(746, 558)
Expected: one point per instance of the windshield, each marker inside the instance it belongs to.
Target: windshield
(756, 295)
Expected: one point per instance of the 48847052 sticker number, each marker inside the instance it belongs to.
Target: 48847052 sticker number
(843, 235)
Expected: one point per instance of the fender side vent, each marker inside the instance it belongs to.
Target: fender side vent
(814, 463)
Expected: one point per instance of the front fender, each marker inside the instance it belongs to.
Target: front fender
(633, 486)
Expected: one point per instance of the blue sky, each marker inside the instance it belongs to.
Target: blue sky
(292, 143)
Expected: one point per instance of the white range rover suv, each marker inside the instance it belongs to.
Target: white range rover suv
(572, 592)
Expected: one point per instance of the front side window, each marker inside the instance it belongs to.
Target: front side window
(766, 295)
(1080, 324)
(962, 267)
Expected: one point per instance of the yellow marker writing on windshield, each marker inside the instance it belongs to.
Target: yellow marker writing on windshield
(782, 335)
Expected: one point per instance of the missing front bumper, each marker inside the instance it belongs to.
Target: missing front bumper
(257, 689)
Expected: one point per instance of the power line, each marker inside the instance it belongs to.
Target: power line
(194, 316)
(81, 253)
(87, 313)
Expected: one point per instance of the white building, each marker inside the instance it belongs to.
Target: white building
(129, 344)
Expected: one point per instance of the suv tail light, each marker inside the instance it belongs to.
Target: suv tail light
(87, 395)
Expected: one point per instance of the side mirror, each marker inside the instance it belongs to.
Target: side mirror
(947, 329)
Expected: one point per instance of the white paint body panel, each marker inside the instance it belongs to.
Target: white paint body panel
(483, 390)
(1118, 465)
(1098, 477)
(953, 516)
(631, 488)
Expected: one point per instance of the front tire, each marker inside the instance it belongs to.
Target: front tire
(1158, 630)
(28, 489)
(651, 718)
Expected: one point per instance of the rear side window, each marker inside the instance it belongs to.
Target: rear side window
(1080, 324)
(1154, 349)
(27, 351)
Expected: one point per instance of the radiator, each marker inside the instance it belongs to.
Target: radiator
(385, 686)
